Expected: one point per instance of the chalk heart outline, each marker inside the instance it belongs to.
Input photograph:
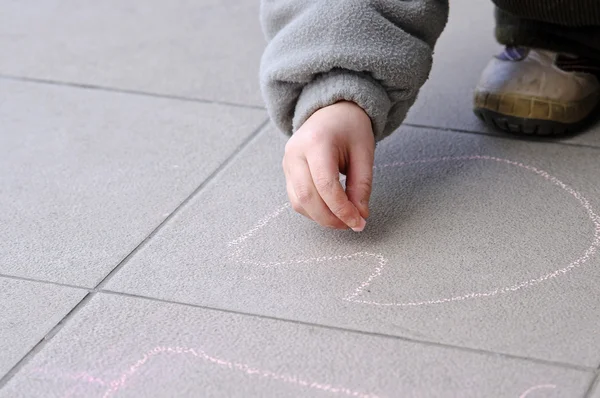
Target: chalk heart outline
(237, 246)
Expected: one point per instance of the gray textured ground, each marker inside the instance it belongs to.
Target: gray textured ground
(146, 249)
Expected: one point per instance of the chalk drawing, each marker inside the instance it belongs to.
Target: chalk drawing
(238, 245)
(111, 387)
(535, 388)
(237, 253)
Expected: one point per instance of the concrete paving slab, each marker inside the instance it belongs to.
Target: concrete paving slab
(473, 241)
(206, 49)
(87, 175)
(461, 54)
(29, 311)
(125, 347)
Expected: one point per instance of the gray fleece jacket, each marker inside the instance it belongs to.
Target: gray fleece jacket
(376, 53)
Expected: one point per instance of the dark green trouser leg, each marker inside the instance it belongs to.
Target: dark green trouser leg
(567, 26)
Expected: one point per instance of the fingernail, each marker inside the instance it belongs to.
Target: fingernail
(361, 225)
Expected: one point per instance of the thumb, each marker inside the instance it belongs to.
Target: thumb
(359, 177)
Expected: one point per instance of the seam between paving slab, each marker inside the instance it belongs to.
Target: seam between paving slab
(593, 384)
(257, 132)
(23, 278)
(505, 136)
(362, 332)
(87, 86)
(91, 293)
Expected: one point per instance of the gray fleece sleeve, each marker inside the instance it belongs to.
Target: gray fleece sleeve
(376, 53)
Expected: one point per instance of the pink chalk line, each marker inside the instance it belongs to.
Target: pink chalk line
(535, 388)
(238, 245)
(121, 382)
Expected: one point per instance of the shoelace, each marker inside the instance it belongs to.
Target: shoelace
(513, 54)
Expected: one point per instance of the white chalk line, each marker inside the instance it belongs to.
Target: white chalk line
(236, 366)
(113, 386)
(535, 388)
(121, 382)
(238, 244)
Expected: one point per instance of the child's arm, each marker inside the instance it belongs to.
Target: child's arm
(376, 53)
(340, 75)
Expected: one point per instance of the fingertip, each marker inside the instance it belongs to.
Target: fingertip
(361, 226)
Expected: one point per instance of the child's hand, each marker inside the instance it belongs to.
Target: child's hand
(335, 139)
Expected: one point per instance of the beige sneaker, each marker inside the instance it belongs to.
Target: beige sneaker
(537, 92)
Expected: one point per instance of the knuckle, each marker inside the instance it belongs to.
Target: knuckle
(325, 183)
(315, 136)
(365, 183)
(290, 147)
(364, 178)
(362, 186)
(297, 207)
(304, 195)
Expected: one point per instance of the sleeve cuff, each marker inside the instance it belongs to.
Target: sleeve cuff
(342, 85)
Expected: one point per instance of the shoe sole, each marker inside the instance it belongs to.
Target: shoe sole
(534, 116)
